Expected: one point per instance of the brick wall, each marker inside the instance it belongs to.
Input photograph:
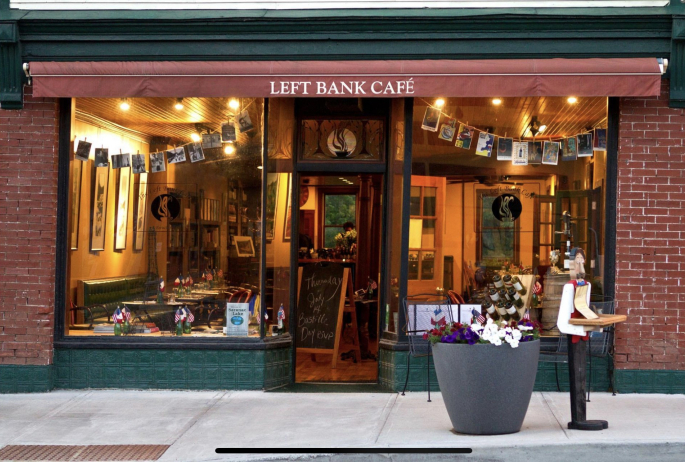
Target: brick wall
(28, 208)
(650, 234)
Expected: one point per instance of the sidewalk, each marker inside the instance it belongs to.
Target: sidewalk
(641, 427)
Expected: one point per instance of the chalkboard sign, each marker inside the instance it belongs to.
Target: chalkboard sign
(320, 305)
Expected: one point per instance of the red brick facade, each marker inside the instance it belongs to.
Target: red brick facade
(650, 238)
(28, 209)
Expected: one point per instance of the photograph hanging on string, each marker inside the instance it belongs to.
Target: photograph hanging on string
(101, 157)
(82, 150)
(600, 139)
(157, 162)
(534, 152)
(211, 140)
(485, 143)
(196, 153)
(464, 137)
(550, 155)
(448, 129)
(176, 155)
(228, 132)
(584, 145)
(138, 163)
(431, 118)
(244, 122)
(520, 153)
(121, 161)
(505, 148)
(570, 151)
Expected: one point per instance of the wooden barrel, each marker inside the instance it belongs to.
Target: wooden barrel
(554, 286)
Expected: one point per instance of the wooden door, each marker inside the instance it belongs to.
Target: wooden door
(426, 229)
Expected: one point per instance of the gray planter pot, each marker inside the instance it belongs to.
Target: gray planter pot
(486, 388)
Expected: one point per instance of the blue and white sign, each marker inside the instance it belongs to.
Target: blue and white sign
(237, 316)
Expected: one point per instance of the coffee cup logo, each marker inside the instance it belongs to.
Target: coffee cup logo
(165, 206)
(507, 208)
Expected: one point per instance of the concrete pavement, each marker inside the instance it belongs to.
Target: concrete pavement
(641, 427)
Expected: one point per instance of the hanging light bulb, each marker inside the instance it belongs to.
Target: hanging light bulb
(195, 137)
(229, 150)
(234, 104)
(179, 104)
(542, 128)
(439, 102)
(124, 106)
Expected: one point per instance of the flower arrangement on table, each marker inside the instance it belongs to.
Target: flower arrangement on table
(346, 242)
(485, 332)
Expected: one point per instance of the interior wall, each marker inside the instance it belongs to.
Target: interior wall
(85, 264)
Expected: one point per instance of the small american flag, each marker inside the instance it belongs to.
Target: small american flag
(220, 274)
(479, 317)
(161, 284)
(177, 282)
(189, 314)
(526, 316)
(179, 316)
(127, 314)
(438, 316)
(117, 316)
(209, 276)
(537, 288)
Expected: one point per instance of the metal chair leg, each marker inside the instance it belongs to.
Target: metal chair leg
(428, 375)
(406, 380)
(589, 347)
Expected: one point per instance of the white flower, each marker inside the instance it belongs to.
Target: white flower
(525, 328)
(514, 343)
(516, 335)
(502, 333)
(496, 341)
(489, 321)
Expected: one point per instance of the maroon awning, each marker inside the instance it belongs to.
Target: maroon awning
(427, 78)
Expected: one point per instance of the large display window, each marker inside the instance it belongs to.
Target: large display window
(165, 218)
(499, 189)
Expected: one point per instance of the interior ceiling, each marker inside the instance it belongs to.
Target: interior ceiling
(158, 117)
(512, 117)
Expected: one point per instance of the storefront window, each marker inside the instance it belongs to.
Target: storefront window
(491, 187)
(165, 218)
(339, 210)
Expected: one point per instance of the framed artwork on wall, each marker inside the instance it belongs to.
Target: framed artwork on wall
(99, 212)
(286, 225)
(141, 212)
(244, 246)
(122, 208)
(76, 178)
(271, 203)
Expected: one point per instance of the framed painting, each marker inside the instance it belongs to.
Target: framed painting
(244, 246)
(76, 178)
(122, 208)
(288, 208)
(141, 213)
(271, 203)
(99, 212)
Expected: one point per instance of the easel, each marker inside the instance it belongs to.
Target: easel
(342, 308)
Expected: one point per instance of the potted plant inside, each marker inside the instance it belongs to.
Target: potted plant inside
(486, 371)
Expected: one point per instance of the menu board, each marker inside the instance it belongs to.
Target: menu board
(320, 304)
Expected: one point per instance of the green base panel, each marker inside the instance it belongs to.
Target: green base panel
(25, 379)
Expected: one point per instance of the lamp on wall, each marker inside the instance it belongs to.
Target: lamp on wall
(535, 127)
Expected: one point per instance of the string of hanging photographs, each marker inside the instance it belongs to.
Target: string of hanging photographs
(173, 156)
(516, 151)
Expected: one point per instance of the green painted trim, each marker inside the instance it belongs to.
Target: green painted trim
(25, 379)
(171, 369)
(650, 381)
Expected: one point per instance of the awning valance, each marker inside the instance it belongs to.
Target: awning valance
(420, 78)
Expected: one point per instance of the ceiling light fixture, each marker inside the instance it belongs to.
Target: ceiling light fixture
(259, 167)
(179, 104)
(124, 106)
(439, 102)
(234, 104)
(535, 126)
(195, 137)
(229, 150)
(572, 100)
(496, 101)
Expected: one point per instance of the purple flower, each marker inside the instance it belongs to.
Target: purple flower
(471, 337)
